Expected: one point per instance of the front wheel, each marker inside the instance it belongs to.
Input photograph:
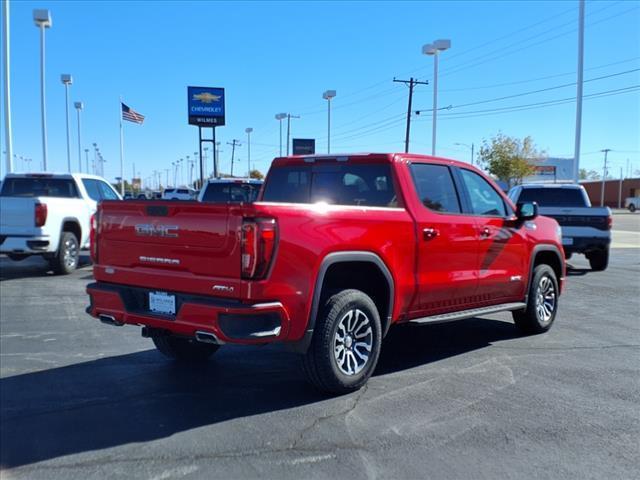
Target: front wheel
(346, 343)
(598, 260)
(542, 302)
(184, 349)
(632, 207)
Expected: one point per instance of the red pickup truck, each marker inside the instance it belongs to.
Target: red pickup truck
(335, 251)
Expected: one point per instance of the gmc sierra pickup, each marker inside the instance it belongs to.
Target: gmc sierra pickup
(335, 251)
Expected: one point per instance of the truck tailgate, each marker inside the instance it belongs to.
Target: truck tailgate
(595, 217)
(179, 244)
(17, 215)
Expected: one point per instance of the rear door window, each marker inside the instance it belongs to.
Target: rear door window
(435, 187)
(92, 188)
(337, 184)
(107, 192)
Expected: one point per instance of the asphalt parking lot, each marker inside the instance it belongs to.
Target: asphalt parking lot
(471, 399)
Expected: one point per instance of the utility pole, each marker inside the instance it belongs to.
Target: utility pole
(235, 143)
(289, 117)
(412, 82)
(6, 53)
(620, 190)
(604, 175)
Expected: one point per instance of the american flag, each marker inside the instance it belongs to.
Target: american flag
(131, 115)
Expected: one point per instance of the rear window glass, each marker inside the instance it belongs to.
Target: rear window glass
(338, 184)
(231, 192)
(553, 197)
(435, 187)
(39, 187)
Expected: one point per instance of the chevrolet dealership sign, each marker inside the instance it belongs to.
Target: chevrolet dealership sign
(206, 106)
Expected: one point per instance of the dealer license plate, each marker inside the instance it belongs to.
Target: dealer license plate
(161, 302)
(567, 241)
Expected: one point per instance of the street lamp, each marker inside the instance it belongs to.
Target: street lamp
(280, 117)
(67, 80)
(42, 19)
(86, 156)
(79, 106)
(472, 147)
(328, 95)
(248, 131)
(434, 49)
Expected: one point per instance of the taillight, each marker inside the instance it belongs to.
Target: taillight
(40, 214)
(609, 222)
(93, 238)
(257, 247)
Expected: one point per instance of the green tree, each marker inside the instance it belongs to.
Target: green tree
(256, 174)
(588, 174)
(508, 158)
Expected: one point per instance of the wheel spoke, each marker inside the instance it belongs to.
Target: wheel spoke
(366, 333)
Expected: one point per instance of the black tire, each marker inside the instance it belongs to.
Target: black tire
(66, 259)
(321, 363)
(18, 257)
(598, 260)
(184, 349)
(538, 317)
(632, 207)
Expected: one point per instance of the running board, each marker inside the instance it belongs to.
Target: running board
(474, 312)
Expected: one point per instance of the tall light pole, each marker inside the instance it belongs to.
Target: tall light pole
(8, 137)
(42, 19)
(95, 158)
(434, 49)
(472, 147)
(204, 160)
(328, 95)
(67, 80)
(79, 106)
(280, 117)
(289, 117)
(248, 131)
(576, 148)
(86, 157)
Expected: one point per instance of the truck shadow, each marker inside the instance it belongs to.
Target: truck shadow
(32, 267)
(139, 397)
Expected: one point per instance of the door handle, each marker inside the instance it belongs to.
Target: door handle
(485, 232)
(429, 233)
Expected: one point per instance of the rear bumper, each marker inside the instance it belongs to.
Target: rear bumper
(230, 321)
(25, 244)
(585, 244)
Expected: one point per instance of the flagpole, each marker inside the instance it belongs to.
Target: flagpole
(121, 152)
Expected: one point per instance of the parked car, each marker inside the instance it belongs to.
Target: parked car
(49, 215)
(234, 190)
(632, 203)
(585, 229)
(182, 193)
(335, 251)
(128, 196)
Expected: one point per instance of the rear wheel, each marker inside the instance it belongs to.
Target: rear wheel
(184, 349)
(632, 207)
(598, 260)
(542, 302)
(346, 343)
(67, 257)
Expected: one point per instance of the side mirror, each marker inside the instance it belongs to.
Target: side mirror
(527, 211)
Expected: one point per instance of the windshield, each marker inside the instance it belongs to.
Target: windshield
(554, 197)
(39, 187)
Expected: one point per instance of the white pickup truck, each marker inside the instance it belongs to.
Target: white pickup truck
(49, 214)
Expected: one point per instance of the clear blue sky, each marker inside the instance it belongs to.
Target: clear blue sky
(280, 56)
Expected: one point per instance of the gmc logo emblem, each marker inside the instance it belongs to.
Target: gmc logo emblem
(149, 230)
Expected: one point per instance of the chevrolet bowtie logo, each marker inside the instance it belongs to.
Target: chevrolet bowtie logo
(149, 230)
(206, 97)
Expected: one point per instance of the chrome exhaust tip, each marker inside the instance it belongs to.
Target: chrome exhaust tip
(207, 337)
(109, 320)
